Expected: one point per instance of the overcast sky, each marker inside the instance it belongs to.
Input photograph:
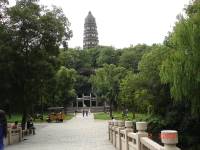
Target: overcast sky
(121, 23)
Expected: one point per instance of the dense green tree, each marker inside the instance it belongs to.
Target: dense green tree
(65, 80)
(70, 58)
(106, 82)
(83, 85)
(181, 69)
(6, 56)
(132, 93)
(94, 54)
(130, 57)
(107, 55)
(149, 68)
(35, 36)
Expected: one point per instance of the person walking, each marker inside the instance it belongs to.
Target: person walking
(3, 128)
(83, 112)
(86, 112)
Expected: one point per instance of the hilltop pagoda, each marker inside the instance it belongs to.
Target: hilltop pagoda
(90, 39)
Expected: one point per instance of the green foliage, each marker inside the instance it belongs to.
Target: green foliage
(70, 58)
(65, 79)
(107, 55)
(132, 93)
(149, 68)
(181, 69)
(106, 82)
(130, 57)
(93, 56)
(118, 116)
(155, 123)
(14, 117)
(33, 36)
(83, 85)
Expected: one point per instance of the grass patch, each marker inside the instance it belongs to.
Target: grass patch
(102, 116)
(69, 116)
(14, 117)
(118, 116)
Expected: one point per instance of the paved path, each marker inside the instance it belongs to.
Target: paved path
(77, 134)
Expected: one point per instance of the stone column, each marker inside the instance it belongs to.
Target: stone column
(113, 132)
(129, 128)
(20, 134)
(9, 136)
(121, 126)
(110, 124)
(169, 138)
(110, 131)
(141, 127)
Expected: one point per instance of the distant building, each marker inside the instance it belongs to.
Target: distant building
(90, 39)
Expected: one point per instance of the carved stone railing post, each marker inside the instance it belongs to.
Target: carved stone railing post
(113, 132)
(121, 126)
(129, 128)
(169, 138)
(141, 127)
(110, 124)
(20, 134)
(9, 136)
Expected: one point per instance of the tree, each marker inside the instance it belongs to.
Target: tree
(65, 91)
(181, 69)
(35, 36)
(107, 55)
(149, 68)
(94, 54)
(131, 56)
(70, 58)
(132, 93)
(106, 82)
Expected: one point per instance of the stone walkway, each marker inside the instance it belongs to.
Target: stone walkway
(77, 134)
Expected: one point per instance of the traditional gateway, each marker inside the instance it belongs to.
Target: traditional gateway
(88, 102)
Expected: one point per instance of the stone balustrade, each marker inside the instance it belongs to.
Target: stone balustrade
(123, 137)
(13, 136)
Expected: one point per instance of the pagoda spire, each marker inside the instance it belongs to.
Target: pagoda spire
(90, 39)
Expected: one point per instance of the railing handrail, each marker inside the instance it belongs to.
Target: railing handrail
(126, 139)
(122, 132)
(132, 135)
(150, 144)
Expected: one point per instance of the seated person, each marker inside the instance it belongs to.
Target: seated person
(15, 125)
(30, 125)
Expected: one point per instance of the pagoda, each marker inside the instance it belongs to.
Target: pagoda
(90, 39)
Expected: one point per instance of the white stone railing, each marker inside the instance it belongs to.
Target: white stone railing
(13, 136)
(123, 137)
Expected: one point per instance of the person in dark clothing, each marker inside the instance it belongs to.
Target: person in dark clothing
(3, 128)
(86, 112)
(30, 125)
(83, 112)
